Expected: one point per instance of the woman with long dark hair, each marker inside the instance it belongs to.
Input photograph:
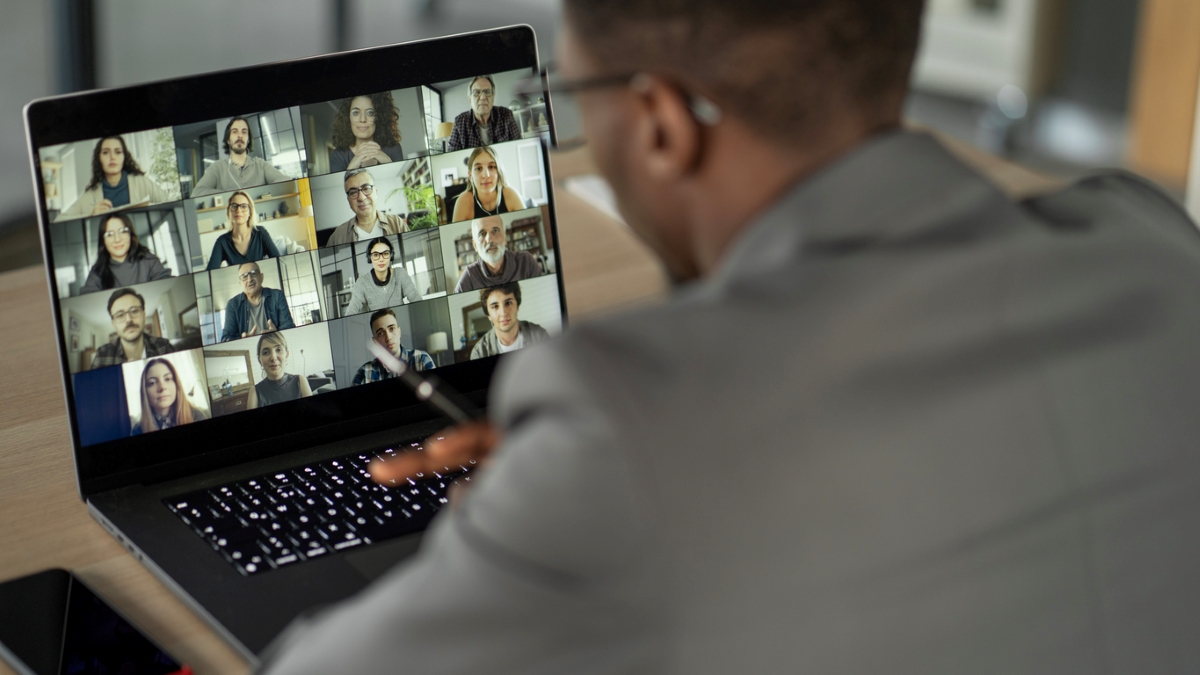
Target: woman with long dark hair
(366, 132)
(121, 260)
(487, 193)
(117, 180)
(164, 399)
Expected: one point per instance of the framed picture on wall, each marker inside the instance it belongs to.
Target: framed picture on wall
(74, 323)
(74, 341)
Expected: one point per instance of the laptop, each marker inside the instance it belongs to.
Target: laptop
(221, 250)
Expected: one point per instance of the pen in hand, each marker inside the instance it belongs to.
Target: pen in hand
(461, 411)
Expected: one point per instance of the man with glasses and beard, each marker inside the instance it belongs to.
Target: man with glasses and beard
(367, 221)
(496, 265)
(127, 308)
(485, 123)
(239, 170)
(256, 309)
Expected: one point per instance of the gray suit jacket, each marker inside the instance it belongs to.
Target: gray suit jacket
(910, 426)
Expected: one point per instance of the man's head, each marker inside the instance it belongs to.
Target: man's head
(128, 312)
(502, 304)
(380, 254)
(797, 84)
(360, 191)
(482, 95)
(251, 278)
(489, 238)
(386, 331)
(237, 137)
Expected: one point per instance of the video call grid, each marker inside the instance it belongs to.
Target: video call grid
(302, 255)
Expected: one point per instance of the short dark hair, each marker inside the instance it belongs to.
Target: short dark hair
(250, 134)
(511, 288)
(379, 315)
(380, 240)
(785, 66)
(120, 293)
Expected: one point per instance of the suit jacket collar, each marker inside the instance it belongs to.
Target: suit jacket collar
(894, 186)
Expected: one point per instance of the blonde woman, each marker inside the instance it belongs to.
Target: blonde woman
(277, 385)
(487, 193)
(245, 242)
(164, 402)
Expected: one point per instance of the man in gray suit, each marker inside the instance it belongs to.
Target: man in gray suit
(964, 444)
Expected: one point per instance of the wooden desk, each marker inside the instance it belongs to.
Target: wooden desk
(44, 524)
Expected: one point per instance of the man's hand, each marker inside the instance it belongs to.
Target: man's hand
(473, 441)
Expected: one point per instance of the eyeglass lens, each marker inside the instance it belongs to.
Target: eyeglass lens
(132, 312)
(367, 189)
(124, 231)
(233, 206)
(381, 255)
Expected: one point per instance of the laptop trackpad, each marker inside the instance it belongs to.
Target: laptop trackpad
(373, 561)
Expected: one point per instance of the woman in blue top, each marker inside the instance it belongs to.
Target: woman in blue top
(117, 180)
(244, 242)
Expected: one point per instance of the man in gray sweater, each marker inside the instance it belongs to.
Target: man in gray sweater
(496, 264)
(239, 170)
(385, 285)
(508, 333)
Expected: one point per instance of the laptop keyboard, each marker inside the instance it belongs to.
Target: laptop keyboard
(311, 511)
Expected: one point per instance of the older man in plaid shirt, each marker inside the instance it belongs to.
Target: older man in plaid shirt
(485, 123)
(387, 334)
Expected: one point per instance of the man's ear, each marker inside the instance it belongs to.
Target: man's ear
(670, 138)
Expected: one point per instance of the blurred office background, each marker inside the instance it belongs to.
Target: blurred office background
(1061, 86)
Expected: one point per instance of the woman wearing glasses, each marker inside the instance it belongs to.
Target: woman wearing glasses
(385, 285)
(485, 123)
(164, 399)
(487, 193)
(117, 180)
(121, 260)
(244, 242)
(366, 132)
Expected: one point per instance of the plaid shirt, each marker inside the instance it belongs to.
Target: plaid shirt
(113, 354)
(502, 126)
(373, 370)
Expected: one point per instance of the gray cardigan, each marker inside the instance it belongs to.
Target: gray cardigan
(141, 189)
(489, 344)
(136, 271)
(368, 295)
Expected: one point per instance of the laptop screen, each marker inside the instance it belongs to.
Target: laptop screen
(216, 281)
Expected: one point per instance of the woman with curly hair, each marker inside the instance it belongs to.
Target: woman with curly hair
(366, 132)
(121, 260)
(117, 180)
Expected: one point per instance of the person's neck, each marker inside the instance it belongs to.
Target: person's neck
(113, 179)
(490, 200)
(382, 275)
(133, 350)
(255, 298)
(744, 176)
(511, 337)
(112, 259)
(484, 118)
(497, 268)
(241, 231)
(239, 158)
(366, 222)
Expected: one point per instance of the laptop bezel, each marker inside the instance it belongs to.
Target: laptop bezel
(312, 421)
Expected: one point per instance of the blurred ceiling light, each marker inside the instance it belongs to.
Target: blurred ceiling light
(1012, 102)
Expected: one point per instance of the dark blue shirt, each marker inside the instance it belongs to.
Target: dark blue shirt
(237, 313)
(261, 247)
(119, 195)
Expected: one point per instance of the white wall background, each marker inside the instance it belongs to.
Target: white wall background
(189, 365)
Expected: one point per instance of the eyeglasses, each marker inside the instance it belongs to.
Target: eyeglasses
(252, 273)
(123, 232)
(482, 93)
(366, 190)
(132, 313)
(566, 117)
(238, 207)
(381, 255)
